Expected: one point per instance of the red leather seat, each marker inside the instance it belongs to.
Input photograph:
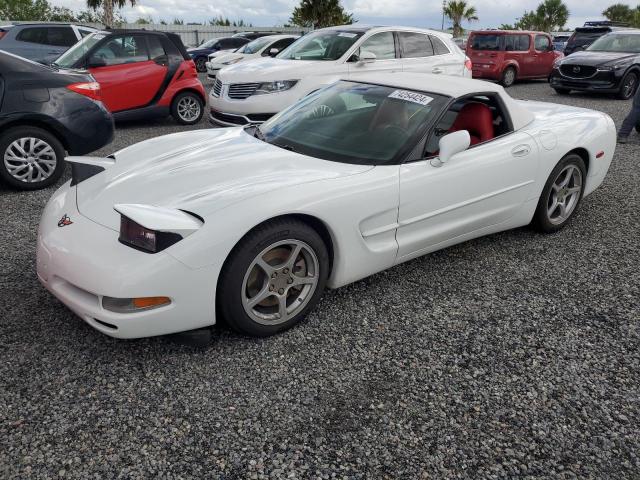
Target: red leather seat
(477, 119)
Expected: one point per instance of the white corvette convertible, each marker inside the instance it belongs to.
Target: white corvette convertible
(251, 224)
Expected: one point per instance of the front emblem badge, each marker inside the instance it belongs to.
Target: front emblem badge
(576, 69)
(64, 221)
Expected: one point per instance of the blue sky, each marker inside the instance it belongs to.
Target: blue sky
(387, 12)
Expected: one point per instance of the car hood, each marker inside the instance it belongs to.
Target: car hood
(597, 58)
(229, 56)
(264, 68)
(200, 171)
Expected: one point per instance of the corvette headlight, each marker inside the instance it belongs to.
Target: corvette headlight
(232, 61)
(141, 238)
(275, 87)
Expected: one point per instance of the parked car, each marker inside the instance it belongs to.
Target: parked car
(507, 56)
(461, 42)
(270, 46)
(252, 35)
(41, 42)
(250, 224)
(252, 92)
(141, 73)
(45, 112)
(200, 54)
(560, 40)
(611, 64)
(582, 37)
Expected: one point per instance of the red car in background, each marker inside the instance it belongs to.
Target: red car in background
(510, 55)
(141, 73)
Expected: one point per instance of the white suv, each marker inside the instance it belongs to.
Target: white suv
(255, 90)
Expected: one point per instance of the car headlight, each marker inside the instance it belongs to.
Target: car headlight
(232, 61)
(141, 238)
(275, 87)
(610, 68)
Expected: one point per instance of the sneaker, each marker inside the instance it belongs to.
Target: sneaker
(623, 140)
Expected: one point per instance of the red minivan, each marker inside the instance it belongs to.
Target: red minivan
(510, 55)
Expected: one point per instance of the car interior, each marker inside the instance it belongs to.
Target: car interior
(481, 115)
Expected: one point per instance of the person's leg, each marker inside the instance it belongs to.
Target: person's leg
(632, 118)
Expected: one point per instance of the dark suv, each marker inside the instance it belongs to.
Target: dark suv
(582, 37)
(611, 64)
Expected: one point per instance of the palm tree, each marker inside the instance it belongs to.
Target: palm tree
(320, 13)
(107, 8)
(458, 10)
(619, 12)
(552, 15)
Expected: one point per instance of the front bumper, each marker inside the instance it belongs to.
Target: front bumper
(212, 70)
(82, 262)
(255, 106)
(604, 83)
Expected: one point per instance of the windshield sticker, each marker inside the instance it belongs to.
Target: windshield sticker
(411, 97)
(346, 34)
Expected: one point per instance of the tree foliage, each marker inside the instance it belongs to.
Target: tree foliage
(42, 10)
(225, 22)
(550, 15)
(320, 13)
(457, 11)
(619, 12)
(106, 6)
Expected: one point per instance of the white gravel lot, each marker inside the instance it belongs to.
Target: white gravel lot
(511, 356)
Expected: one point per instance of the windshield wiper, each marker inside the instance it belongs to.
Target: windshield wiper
(55, 65)
(256, 132)
(285, 146)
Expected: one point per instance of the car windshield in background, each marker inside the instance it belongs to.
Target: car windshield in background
(324, 45)
(617, 43)
(486, 42)
(69, 58)
(583, 39)
(255, 46)
(380, 120)
(208, 43)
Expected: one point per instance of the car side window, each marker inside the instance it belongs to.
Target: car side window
(238, 42)
(121, 50)
(279, 45)
(380, 44)
(439, 48)
(61, 36)
(84, 32)
(542, 43)
(516, 43)
(33, 35)
(415, 45)
(156, 49)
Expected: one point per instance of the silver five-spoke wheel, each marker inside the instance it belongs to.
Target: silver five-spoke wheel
(280, 282)
(30, 160)
(564, 194)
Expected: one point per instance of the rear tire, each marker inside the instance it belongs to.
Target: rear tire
(628, 86)
(187, 108)
(273, 278)
(561, 195)
(201, 64)
(508, 77)
(562, 91)
(30, 158)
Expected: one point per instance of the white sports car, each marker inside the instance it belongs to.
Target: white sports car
(251, 224)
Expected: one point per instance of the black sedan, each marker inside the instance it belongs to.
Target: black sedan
(611, 64)
(44, 112)
(199, 54)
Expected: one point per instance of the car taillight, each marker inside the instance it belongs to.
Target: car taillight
(192, 69)
(467, 64)
(2, 34)
(88, 89)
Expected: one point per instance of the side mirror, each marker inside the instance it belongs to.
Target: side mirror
(452, 144)
(96, 62)
(366, 57)
(273, 52)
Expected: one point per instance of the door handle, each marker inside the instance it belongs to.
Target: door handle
(521, 151)
(437, 70)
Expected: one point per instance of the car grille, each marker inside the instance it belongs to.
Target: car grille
(577, 71)
(217, 88)
(240, 91)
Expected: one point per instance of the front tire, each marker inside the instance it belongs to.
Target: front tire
(628, 86)
(508, 77)
(187, 108)
(31, 157)
(201, 64)
(273, 278)
(561, 194)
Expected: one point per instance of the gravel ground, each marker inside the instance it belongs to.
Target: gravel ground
(515, 355)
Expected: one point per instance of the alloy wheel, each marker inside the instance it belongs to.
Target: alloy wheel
(564, 194)
(280, 282)
(188, 109)
(629, 86)
(30, 160)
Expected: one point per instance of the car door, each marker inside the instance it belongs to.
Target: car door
(516, 49)
(382, 45)
(481, 187)
(444, 59)
(128, 77)
(416, 50)
(544, 55)
(59, 40)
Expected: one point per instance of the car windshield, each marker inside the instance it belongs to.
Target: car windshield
(69, 58)
(486, 42)
(582, 39)
(208, 43)
(321, 45)
(617, 42)
(382, 123)
(255, 46)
